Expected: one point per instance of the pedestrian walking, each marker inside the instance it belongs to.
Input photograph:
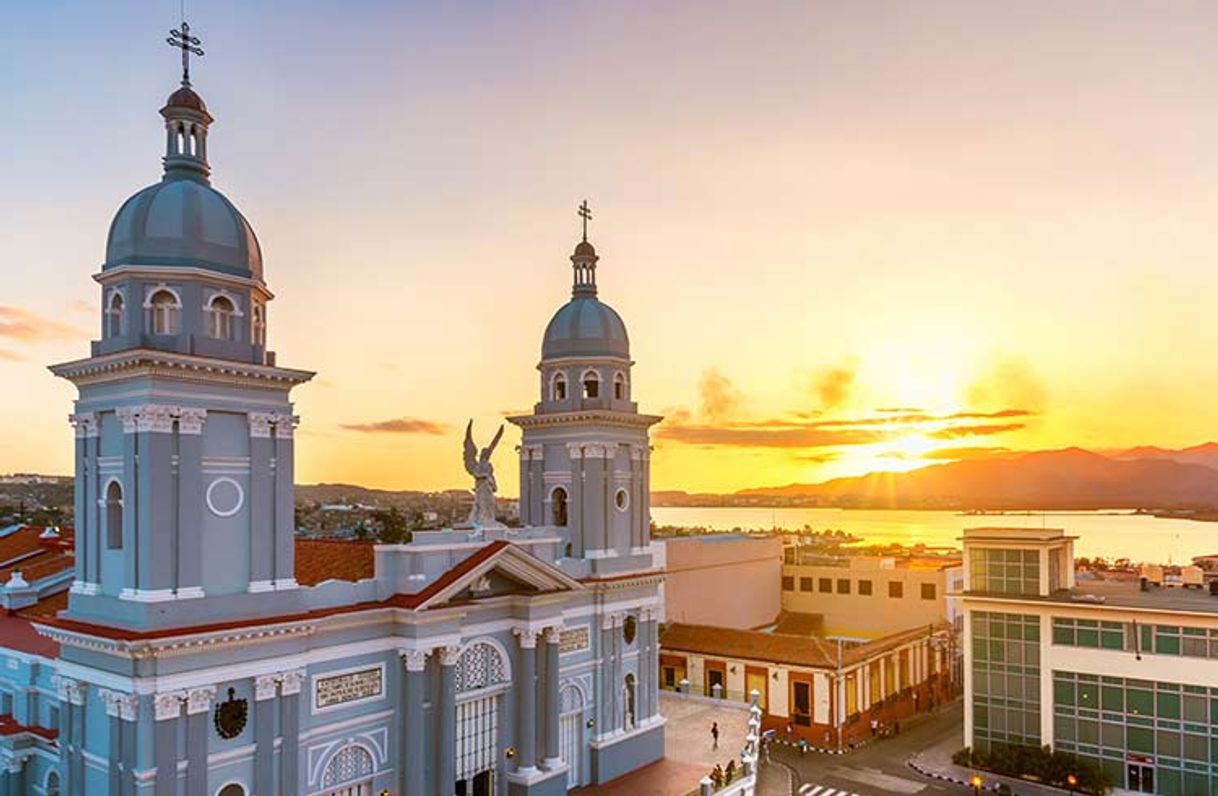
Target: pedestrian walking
(714, 735)
(874, 726)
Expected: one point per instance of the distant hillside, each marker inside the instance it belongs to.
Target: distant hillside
(1064, 479)
(1205, 454)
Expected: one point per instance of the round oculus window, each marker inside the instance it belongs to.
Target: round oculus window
(621, 499)
(225, 497)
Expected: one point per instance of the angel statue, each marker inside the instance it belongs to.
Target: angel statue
(482, 515)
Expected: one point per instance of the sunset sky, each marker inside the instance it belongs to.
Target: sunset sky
(843, 236)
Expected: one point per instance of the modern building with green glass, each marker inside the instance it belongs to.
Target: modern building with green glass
(1097, 667)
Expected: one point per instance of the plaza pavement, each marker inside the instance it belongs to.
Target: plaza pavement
(689, 752)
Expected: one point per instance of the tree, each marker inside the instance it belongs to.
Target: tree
(394, 527)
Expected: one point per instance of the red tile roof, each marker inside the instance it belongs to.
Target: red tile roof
(333, 559)
(756, 645)
(17, 633)
(9, 726)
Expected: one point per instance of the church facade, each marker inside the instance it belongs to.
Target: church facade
(193, 658)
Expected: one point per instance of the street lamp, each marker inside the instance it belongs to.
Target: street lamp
(975, 782)
(1071, 782)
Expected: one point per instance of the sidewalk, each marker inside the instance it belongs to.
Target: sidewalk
(936, 762)
(689, 750)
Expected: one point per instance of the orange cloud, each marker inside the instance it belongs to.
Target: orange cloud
(833, 385)
(720, 398)
(955, 432)
(399, 425)
(29, 327)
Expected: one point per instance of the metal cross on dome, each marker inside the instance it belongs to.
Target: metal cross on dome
(188, 44)
(585, 213)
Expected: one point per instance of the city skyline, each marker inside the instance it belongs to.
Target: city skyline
(872, 250)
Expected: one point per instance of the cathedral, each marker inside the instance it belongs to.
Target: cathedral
(181, 641)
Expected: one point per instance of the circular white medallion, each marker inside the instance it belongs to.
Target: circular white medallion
(225, 497)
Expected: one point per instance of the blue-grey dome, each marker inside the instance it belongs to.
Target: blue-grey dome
(183, 222)
(585, 327)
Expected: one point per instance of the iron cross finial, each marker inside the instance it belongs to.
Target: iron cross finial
(188, 44)
(585, 213)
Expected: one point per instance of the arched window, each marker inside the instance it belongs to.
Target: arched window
(114, 516)
(259, 336)
(619, 387)
(165, 312)
(559, 388)
(220, 313)
(231, 789)
(558, 507)
(481, 665)
(351, 766)
(114, 315)
(628, 689)
(52, 788)
(592, 384)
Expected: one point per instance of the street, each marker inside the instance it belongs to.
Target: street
(877, 769)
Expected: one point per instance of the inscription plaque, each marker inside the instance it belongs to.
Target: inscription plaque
(339, 689)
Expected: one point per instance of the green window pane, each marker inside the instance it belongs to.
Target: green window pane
(1139, 702)
(1196, 784)
(1112, 698)
(1168, 706)
(1112, 735)
(1088, 637)
(1063, 693)
(1140, 739)
(1147, 641)
(1168, 782)
(1167, 743)
(1194, 708)
(981, 715)
(1195, 747)
(1064, 729)
(1112, 639)
(1088, 695)
(1167, 640)
(1088, 731)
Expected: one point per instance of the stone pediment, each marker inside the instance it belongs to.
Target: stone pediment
(498, 571)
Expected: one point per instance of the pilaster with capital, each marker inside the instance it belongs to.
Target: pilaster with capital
(411, 730)
(553, 679)
(198, 709)
(266, 688)
(291, 684)
(526, 701)
(446, 718)
(167, 710)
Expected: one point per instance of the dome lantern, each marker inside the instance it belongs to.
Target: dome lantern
(186, 117)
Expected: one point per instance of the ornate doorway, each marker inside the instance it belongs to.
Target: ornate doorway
(571, 733)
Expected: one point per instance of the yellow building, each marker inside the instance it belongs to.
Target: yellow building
(866, 597)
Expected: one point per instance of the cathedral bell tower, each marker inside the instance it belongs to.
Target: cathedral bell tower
(584, 453)
(184, 425)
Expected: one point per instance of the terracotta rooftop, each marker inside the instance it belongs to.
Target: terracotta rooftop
(332, 559)
(785, 648)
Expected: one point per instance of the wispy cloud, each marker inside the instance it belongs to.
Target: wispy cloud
(983, 430)
(745, 436)
(29, 327)
(399, 425)
(9, 356)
